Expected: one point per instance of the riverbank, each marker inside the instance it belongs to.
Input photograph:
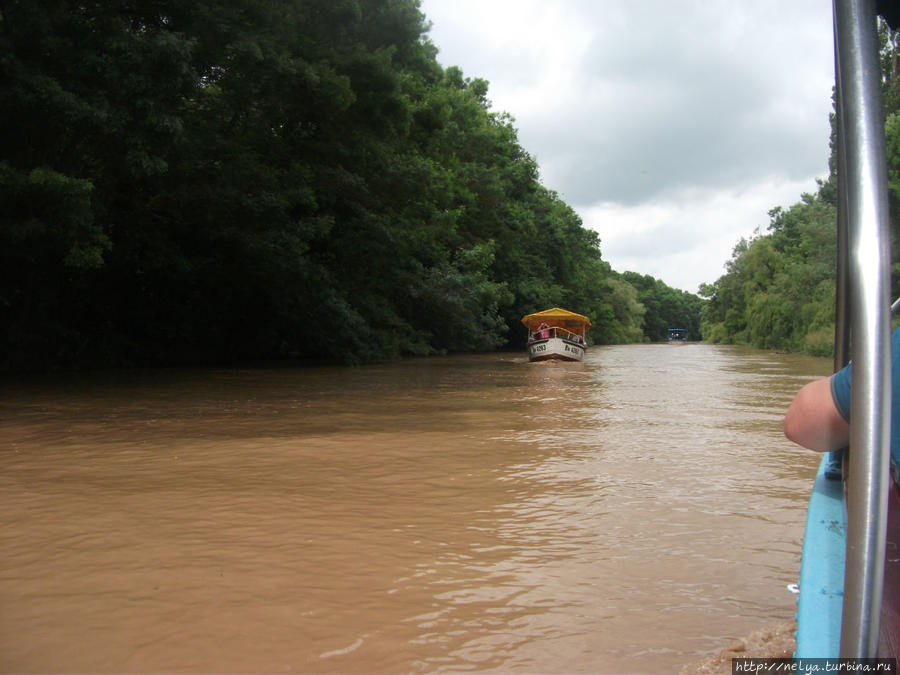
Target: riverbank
(774, 641)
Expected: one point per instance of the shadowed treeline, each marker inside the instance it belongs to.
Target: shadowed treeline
(218, 180)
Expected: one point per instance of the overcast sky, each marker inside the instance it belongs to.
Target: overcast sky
(671, 126)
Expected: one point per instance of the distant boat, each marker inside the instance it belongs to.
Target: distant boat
(556, 334)
(677, 336)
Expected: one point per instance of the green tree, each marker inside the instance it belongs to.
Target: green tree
(778, 290)
(665, 307)
(224, 179)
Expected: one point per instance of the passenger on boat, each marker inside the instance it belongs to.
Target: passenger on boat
(819, 416)
(544, 330)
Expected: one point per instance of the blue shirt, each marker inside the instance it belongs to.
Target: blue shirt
(840, 392)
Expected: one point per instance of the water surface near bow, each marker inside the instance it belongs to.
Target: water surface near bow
(631, 513)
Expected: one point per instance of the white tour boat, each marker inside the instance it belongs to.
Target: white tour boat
(556, 334)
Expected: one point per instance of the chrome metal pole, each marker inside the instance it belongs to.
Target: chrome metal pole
(836, 458)
(842, 283)
(862, 131)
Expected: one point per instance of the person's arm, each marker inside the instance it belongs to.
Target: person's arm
(813, 420)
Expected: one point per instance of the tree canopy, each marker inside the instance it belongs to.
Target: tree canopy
(778, 290)
(214, 180)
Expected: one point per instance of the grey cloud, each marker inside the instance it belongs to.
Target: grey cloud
(652, 100)
(684, 115)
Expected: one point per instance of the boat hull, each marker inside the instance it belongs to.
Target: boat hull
(822, 566)
(889, 639)
(822, 562)
(556, 349)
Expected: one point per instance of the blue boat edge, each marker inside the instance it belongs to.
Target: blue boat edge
(820, 602)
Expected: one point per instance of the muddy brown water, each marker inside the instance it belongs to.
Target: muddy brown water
(628, 514)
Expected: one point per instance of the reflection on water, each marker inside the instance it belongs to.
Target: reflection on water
(470, 513)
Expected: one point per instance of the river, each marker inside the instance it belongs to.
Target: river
(473, 513)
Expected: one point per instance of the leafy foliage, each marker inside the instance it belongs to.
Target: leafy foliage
(665, 307)
(779, 288)
(232, 179)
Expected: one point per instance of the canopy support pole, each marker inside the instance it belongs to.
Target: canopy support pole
(861, 142)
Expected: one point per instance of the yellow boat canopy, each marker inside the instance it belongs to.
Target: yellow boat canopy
(559, 318)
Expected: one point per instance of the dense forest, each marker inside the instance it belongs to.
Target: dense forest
(778, 290)
(219, 180)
